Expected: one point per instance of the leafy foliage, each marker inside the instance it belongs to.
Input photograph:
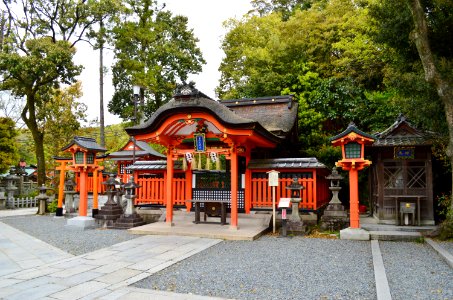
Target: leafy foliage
(154, 50)
(9, 155)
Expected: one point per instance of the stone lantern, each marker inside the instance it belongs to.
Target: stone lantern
(42, 198)
(11, 185)
(69, 192)
(111, 210)
(335, 217)
(295, 222)
(130, 218)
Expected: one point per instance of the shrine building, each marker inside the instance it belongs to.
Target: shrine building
(222, 150)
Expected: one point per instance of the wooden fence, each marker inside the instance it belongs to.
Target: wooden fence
(22, 202)
(152, 191)
(262, 192)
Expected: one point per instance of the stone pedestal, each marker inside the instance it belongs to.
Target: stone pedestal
(295, 223)
(109, 213)
(357, 234)
(69, 202)
(2, 200)
(81, 222)
(42, 206)
(335, 217)
(130, 218)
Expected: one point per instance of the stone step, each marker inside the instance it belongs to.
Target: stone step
(382, 227)
(388, 235)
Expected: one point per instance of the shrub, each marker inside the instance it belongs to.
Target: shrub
(52, 206)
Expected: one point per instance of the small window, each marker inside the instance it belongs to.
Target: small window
(78, 157)
(353, 150)
(90, 158)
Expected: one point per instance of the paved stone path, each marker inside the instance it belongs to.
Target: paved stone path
(32, 269)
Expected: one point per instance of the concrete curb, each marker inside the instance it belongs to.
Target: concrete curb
(382, 285)
(441, 251)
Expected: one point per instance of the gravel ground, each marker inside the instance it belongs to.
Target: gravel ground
(415, 271)
(266, 269)
(53, 231)
(447, 246)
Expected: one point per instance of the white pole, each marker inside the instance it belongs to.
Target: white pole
(273, 209)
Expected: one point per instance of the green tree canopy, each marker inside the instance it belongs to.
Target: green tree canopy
(9, 155)
(154, 50)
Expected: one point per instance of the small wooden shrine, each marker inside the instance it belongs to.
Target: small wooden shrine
(126, 156)
(401, 173)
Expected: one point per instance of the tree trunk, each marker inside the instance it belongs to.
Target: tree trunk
(101, 89)
(443, 85)
(38, 136)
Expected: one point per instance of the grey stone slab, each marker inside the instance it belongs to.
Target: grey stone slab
(6, 291)
(80, 278)
(30, 263)
(73, 271)
(98, 294)
(112, 267)
(33, 274)
(129, 281)
(147, 264)
(32, 283)
(80, 290)
(117, 276)
(5, 282)
(382, 285)
(100, 254)
(37, 292)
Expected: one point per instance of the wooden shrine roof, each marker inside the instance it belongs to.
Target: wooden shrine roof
(145, 150)
(149, 165)
(277, 114)
(402, 133)
(86, 143)
(286, 163)
(272, 117)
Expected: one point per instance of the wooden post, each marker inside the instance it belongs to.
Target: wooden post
(95, 209)
(168, 189)
(248, 182)
(354, 198)
(188, 192)
(234, 189)
(83, 198)
(59, 212)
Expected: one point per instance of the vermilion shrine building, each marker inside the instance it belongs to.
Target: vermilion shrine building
(245, 136)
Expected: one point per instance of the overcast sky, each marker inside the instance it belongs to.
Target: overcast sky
(205, 17)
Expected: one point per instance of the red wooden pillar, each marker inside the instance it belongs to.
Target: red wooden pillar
(62, 169)
(234, 189)
(83, 193)
(188, 192)
(95, 209)
(354, 198)
(168, 190)
(248, 183)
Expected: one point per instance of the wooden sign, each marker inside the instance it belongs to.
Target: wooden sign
(284, 203)
(273, 177)
(199, 142)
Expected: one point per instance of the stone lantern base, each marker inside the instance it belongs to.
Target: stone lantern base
(296, 227)
(335, 217)
(108, 214)
(130, 221)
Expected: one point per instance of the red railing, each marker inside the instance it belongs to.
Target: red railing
(262, 192)
(101, 187)
(152, 191)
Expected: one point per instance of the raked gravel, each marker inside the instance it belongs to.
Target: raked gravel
(274, 268)
(75, 241)
(415, 271)
(448, 246)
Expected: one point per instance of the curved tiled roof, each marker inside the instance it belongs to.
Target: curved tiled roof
(200, 103)
(85, 142)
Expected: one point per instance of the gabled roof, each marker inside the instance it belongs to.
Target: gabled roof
(149, 165)
(86, 143)
(194, 101)
(402, 133)
(352, 128)
(286, 163)
(145, 150)
(278, 114)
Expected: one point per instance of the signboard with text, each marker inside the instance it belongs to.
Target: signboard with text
(199, 142)
(273, 177)
(284, 202)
